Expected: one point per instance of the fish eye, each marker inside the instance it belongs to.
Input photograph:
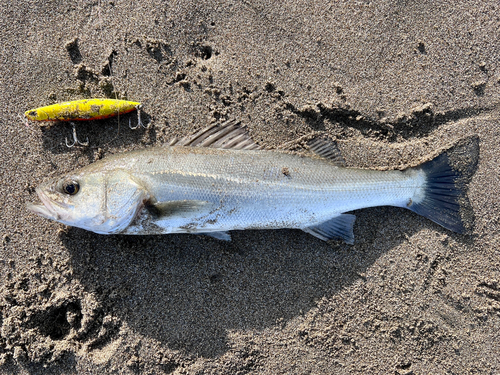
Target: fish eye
(70, 187)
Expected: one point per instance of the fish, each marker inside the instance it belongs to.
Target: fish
(219, 180)
(82, 110)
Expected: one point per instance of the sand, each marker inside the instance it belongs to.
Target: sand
(393, 81)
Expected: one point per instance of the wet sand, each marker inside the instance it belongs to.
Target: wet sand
(394, 82)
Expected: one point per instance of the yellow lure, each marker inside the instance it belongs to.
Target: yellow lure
(81, 110)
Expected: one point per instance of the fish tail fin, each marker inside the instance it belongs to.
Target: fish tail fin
(443, 198)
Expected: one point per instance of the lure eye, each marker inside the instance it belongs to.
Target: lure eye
(70, 187)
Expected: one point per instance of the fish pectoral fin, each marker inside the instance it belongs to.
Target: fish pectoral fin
(223, 236)
(339, 227)
(328, 149)
(184, 208)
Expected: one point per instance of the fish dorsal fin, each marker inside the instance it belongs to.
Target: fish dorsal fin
(328, 149)
(227, 135)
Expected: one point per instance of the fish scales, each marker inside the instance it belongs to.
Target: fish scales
(249, 189)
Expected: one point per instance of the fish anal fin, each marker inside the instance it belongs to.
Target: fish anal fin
(223, 236)
(229, 135)
(328, 149)
(183, 208)
(339, 227)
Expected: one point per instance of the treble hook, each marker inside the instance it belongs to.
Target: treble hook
(75, 139)
(139, 122)
(24, 120)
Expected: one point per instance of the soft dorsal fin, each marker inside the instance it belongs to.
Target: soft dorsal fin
(227, 135)
(328, 149)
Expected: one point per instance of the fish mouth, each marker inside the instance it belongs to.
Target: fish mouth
(48, 208)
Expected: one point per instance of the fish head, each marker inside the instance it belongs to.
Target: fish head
(103, 202)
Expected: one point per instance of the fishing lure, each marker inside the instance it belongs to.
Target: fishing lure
(84, 110)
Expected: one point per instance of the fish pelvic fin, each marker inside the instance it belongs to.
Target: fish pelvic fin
(444, 199)
(339, 227)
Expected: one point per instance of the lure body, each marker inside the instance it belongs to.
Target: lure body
(82, 110)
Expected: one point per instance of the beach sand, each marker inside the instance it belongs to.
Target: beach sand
(395, 82)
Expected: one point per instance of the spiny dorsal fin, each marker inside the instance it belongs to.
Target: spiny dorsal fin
(227, 135)
(328, 149)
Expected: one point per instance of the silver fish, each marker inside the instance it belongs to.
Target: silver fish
(219, 180)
